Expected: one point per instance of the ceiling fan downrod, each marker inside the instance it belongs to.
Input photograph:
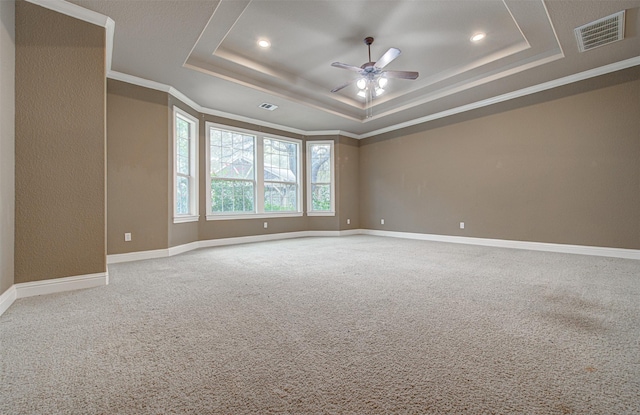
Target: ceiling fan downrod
(368, 41)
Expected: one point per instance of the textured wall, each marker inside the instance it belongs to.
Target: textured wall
(60, 145)
(137, 168)
(7, 142)
(562, 171)
(347, 163)
(346, 190)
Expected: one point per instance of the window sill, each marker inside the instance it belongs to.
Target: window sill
(321, 213)
(255, 216)
(186, 218)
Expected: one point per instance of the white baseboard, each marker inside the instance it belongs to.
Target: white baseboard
(179, 249)
(55, 285)
(272, 237)
(28, 289)
(503, 243)
(7, 298)
(498, 243)
(137, 256)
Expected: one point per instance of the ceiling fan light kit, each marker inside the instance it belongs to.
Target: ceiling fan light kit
(373, 79)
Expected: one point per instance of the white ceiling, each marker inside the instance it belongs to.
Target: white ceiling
(207, 51)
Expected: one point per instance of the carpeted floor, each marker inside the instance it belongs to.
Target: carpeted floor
(349, 325)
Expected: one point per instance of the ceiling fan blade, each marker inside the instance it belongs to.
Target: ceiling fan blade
(346, 66)
(387, 58)
(346, 84)
(401, 74)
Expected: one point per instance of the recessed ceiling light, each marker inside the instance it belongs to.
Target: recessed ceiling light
(478, 37)
(263, 43)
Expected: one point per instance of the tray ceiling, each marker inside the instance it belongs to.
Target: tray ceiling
(208, 51)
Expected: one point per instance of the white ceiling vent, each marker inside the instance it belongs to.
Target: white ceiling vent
(601, 32)
(267, 106)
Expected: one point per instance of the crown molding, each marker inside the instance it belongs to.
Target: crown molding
(73, 10)
(89, 16)
(591, 73)
(86, 15)
(581, 76)
(146, 83)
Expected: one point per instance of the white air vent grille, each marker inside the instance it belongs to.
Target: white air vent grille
(601, 32)
(267, 106)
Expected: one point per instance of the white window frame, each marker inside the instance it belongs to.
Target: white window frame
(193, 215)
(259, 211)
(332, 211)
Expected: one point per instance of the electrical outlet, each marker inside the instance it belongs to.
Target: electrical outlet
(461, 225)
(348, 221)
(266, 225)
(127, 237)
(381, 221)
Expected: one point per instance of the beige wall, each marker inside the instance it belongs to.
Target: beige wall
(7, 142)
(60, 145)
(137, 168)
(346, 186)
(562, 171)
(559, 167)
(140, 177)
(347, 166)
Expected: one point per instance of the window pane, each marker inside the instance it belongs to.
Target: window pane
(320, 178)
(320, 163)
(185, 193)
(231, 155)
(182, 127)
(280, 197)
(321, 197)
(280, 161)
(183, 165)
(183, 146)
(232, 196)
(182, 195)
(215, 152)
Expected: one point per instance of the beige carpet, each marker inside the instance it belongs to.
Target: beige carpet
(350, 325)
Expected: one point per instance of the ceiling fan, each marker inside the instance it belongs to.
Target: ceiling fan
(373, 78)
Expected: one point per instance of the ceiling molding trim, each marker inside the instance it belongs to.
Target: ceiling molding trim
(86, 15)
(289, 96)
(145, 83)
(515, 21)
(73, 10)
(472, 83)
(130, 79)
(110, 27)
(332, 132)
(591, 73)
(267, 124)
(182, 97)
(248, 120)
(553, 28)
